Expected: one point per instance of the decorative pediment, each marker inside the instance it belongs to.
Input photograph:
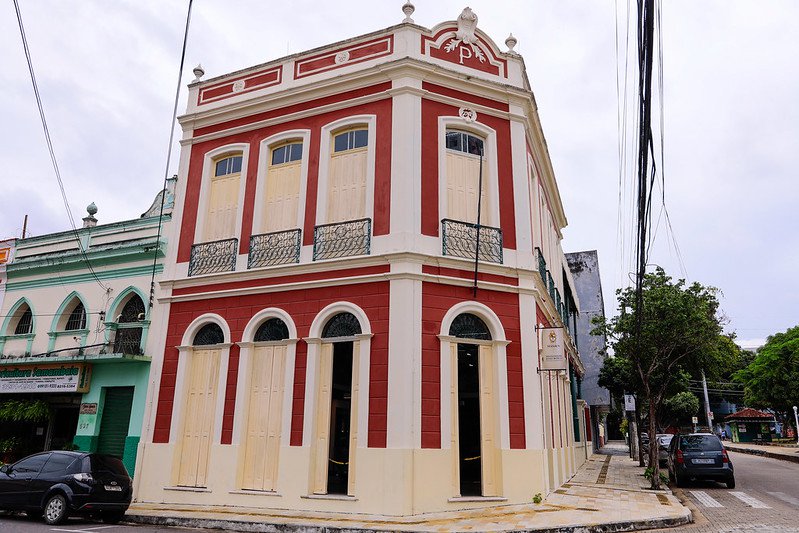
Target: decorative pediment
(462, 43)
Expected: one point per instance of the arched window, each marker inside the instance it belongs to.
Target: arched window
(77, 318)
(282, 195)
(346, 198)
(272, 329)
(342, 325)
(209, 334)
(25, 323)
(223, 199)
(129, 328)
(469, 326)
(463, 177)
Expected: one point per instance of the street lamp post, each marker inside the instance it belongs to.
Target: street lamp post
(796, 419)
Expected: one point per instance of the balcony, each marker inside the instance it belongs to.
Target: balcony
(550, 282)
(542, 264)
(215, 256)
(342, 239)
(459, 239)
(276, 248)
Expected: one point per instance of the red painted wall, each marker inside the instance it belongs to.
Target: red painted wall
(437, 299)
(303, 306)
(382, 201)
(431, 218)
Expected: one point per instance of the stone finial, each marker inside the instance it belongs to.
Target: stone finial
(408, 9)
(90, 221)
(510, 42)
(199, 72)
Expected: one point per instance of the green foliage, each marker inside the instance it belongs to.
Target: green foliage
(650, 472)
(679, 408)
(11, 444)
(771, 380)
(24, 411)
(624, 426)
(537, 498)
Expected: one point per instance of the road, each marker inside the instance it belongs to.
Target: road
(765, 499)
(21, 524)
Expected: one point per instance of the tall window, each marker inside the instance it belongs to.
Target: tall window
(463, 176)
(282, 188)
(77, 318)
(346, 199)
(129, 327)
(223, 199)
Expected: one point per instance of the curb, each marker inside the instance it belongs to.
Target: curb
(764, 453)
(262, 527)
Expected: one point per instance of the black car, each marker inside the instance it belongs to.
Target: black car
(700, 456)
(57, 484)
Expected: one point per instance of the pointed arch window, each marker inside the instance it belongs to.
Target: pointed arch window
(209, 334)
(128, 337)
(342, 325)
(25, 324)
(77, 318)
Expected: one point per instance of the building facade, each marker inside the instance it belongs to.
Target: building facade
(75, 335)
(584, 267)
(331, 343)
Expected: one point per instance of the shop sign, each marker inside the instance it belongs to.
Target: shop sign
(551, 349)
(45, 378)
(88, 408)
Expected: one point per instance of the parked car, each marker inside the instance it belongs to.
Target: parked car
(700, 456)
(58, 484)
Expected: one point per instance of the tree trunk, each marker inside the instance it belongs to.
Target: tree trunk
(638, 434)
(654, 463)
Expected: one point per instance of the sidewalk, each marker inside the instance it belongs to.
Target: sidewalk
(607, 494)
(784, 453)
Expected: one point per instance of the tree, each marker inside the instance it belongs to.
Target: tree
(772, 379)
(676, 332)
(679, 407)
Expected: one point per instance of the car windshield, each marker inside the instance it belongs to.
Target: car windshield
(104, 463)
(700, 443)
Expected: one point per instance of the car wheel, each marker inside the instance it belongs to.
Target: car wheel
(112, 517)
(55, 510)
(730, 483)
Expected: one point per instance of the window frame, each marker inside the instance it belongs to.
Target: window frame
(326, 145)
(490, 167)
(210, 159)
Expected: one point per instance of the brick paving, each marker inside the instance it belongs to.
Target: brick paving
(582, 504)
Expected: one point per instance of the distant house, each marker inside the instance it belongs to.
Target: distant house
(751, 425)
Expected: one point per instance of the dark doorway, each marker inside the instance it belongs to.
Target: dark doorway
(62, 427)
(470, 462)
(340, 409)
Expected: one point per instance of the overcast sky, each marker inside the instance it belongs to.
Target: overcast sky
(107, 74)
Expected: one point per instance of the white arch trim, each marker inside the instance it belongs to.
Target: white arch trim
(261, 316)
(207, 170)
(264, 160)
(324, 162)
(335, 308)
(199, 322)
(484, 312)
(492, 170)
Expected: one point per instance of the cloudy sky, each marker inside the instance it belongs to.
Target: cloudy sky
(107, 74)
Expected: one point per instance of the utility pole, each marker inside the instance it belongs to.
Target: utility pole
(24, 226)
(707, 404)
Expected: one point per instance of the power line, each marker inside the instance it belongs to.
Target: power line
(169, 155)
(50, 145)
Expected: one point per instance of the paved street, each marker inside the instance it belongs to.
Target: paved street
(765, 499)
(21, 524)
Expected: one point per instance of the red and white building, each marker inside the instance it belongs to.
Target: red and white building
(324, 346)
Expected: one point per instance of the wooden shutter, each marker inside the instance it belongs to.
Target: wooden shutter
(262, 437)
(487, 422)
(322, 434)
(346, 195)
(222, 212)
(115, 420)
(353, 417)
(282, 198)
(199, 418)
(454, 442)
(463, 177)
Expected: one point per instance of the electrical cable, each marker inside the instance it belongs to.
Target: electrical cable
(50, 146)
(169, 155)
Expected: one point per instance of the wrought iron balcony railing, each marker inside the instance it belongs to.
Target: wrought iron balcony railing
(276, 248)
(542, 265)
(459, 239)
(342, 239)
(128, 341)
(551, 285)
(215, 256)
